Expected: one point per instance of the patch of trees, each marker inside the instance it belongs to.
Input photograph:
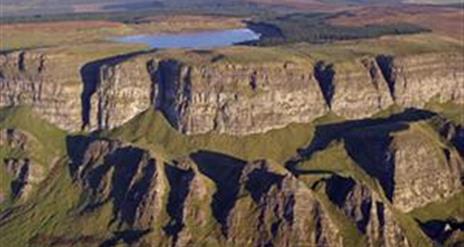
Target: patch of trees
(313, 28)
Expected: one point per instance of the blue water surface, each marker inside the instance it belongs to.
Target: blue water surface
(197, 40)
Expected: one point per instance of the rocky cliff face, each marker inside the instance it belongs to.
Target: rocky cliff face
(416, 79)
(364, 206)
(123, 91)
(217, 199)
(354, 90)
(233, 98)
(244, 99)
(38, 80)
(214, 198)
(431, 174)
(23, 172)
(125, 176)
(409, 161)
(236, 99)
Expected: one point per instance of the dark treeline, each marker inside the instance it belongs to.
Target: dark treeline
(313, 28)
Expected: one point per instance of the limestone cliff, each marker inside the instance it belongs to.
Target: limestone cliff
(355, 89)
(241, 99)
(412, 165)
(236, 99)
(40, 80)
(123, 91)
(216, 95)
(416, 79)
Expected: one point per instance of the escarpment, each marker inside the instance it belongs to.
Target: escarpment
(409, 161)
(241, 99)
(361, 186)
(217, 95)
(236, 99)
(217, 199)
(124, 90)
(416, 79)
(354, 90)
(41, 81)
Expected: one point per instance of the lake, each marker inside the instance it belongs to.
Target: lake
(194, 40)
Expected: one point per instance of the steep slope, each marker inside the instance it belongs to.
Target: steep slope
(114, 192)
(27, 153)
(220, 91)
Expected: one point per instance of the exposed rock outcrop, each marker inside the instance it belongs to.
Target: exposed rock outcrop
(126, 176)
(416, 79)
(241, 203)
(39, 80)
(354, 90)
(373, 217)
(243, 99)
(236, 98)
(24, 175)
(411, 165)
(124, 90)
(262, 205)
(13, 138)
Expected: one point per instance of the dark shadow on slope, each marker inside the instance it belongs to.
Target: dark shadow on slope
(325, 134)
(367, 142)
(372, 151)
(441, 230)
(168, 78)
(338, 189)
(90, 76)
(127, 193)
(385, 64)
(458, 140)
(75, 148)
(127, 237)
(324, 74)
(259, 181)
(225, 171)
(129, 170)
(179, 182)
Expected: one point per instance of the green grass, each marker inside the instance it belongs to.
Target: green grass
(51, 211)
(335, 159)
(45, 144)
(44, 212)
(451, 111)
(151, 130)
(48, 142)
(441, 210)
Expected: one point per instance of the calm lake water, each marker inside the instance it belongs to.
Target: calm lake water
(197, 40)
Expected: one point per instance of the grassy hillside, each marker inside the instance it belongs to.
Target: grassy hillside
(44, 145)
(152, 131)
(53, 214)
